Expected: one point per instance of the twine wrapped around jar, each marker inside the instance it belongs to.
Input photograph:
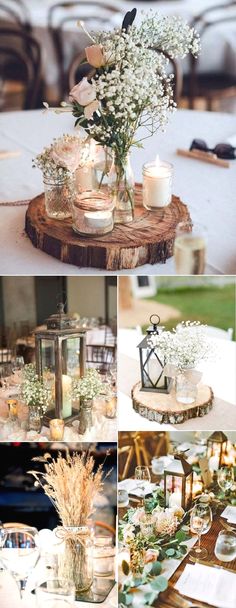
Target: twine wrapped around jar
(76, 563)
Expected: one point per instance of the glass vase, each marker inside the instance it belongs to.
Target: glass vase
(185, 390)
(121, 186)
(34, 420)
(59, 194)
(76, 562)
(85, 415)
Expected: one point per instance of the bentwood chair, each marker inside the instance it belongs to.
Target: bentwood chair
(15, 13)
(213, 87)
(20, 67)
(137, 449)
(64, 15)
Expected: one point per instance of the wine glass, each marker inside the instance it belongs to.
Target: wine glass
(19, 553)
(17, 364)
(200, 523)
(142, 475)
(225, 478)
(225, 547)
(190, 248)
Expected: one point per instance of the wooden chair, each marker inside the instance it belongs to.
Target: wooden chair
(16, 13)
(20, 65)
(137, 450)
(210, 86)
(101, 356)
(64, 14)
(104, 526)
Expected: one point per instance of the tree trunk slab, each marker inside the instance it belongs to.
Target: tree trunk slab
(164, 408)
(148, 239)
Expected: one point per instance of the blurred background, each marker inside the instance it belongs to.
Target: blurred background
(41, 48)
(210, 300)
(22, 502)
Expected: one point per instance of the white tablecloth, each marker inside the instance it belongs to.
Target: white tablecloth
(219, 374)
(208, 190)
(9, 596)
(218, 45)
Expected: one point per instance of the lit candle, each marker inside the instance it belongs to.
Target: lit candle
(111, 408)
(66, 396)
(175, 499)
(56, 429)
(197, 487)
(12, 404)
(157, 184)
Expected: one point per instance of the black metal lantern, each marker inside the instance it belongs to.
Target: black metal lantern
(217, 448)
(60, 349)
(178, 483)
(152, 363)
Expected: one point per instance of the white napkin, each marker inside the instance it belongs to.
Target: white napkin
(131, 486)
(230, 514)
(194, 583)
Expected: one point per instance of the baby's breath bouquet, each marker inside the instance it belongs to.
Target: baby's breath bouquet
(88, 387)
(61, 159)
(183, 347)
(72, 484)
(129, 87)
(33, 392)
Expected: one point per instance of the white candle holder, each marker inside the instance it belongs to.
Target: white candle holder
(93, 213)
(157, 184)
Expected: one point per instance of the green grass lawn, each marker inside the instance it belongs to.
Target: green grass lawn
(210, 305)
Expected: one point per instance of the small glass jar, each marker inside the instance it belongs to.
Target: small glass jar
(76, 562)
(111, 403)
(93, 213)
(59, 194)
(157, 185)
(34, 421)
(104, 556)
(56, 429)
(186, 391)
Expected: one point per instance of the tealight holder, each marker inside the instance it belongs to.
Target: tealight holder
(104, 556)
(56, 429)
(93, 213)
(157, 184)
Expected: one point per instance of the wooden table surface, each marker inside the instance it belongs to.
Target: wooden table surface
(171, 598)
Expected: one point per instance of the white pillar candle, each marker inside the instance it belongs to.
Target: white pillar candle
(214, 463)
(66, 396)
(175, 499)
(157, 184)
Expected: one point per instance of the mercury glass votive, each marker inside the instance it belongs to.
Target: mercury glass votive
(104, 556)
(157, 184)
(111, 407)
(12, 405)
(93, 213)
(56, 429)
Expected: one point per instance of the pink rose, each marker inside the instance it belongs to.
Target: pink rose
(83, 92)
(67, 155)
(91, 108)
(95, 55)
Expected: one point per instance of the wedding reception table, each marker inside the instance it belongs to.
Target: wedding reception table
(219, 374)
(171, 597)
(206, 189)
(218, 48)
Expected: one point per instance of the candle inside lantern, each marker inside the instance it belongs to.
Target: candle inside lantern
(66, 396)
(175, 499)
(197, 487)
(157, 184)
(214, 462)
(56, 429)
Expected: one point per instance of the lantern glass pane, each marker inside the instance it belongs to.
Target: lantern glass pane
(71, 356)
(152, 369)
(174, 489)
(47, 356)
(66, 396)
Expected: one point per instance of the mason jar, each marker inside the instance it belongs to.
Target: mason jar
(92, 213)
(59, 193)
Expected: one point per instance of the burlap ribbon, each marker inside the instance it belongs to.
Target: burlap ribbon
(77, 534)
(172, 371)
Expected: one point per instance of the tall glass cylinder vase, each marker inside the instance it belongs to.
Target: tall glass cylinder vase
(59, 193)
(76, 563)
(121, 185)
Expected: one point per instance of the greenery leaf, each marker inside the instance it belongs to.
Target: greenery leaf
(125, 567)
(159, 584)
(156, 568)
(180, 535)
(170, 552)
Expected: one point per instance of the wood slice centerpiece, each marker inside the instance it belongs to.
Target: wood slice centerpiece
(147, 240)
(164, 408)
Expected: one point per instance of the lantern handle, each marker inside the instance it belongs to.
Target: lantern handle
(154, 323)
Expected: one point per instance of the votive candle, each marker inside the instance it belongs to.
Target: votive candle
(157, 184)
(56, 429)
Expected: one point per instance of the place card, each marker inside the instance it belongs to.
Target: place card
(194, 583)
(205, 471)
(230, 514)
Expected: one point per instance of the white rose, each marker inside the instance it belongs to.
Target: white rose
(83, 92)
